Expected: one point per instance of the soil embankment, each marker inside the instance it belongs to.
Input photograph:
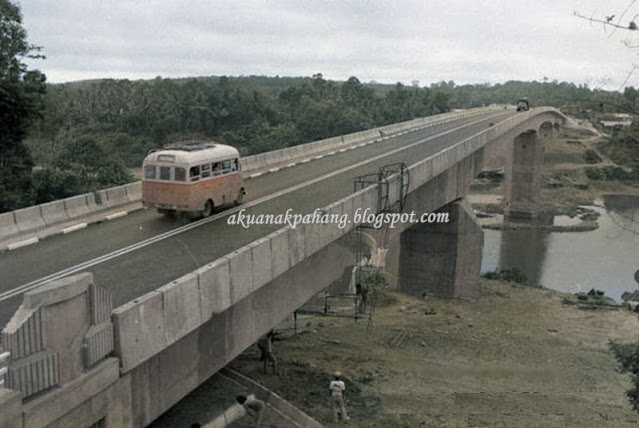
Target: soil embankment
(519, 356)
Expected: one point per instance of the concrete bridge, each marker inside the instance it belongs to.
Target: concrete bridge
(74, 360)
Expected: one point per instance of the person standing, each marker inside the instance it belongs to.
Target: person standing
(254, 408)
(337, 388)
(265, 344)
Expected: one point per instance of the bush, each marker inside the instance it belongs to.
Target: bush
(627, 354)
(591, 156)
(608, 173)
(508, 275)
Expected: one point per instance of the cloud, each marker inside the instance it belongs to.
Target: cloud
(380, 40)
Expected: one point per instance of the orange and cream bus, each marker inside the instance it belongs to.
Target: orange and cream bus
(192, 176)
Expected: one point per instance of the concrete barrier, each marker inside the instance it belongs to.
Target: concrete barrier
(241, 273)
(181, 307)
(76, 206)
(279, 252)
(8, 226)
(263, 160)
(54, 212)
(296, 246)
(139, 330)
(100, 201)
(29, 219)
(117, 196)
(134, 191)
(10, 408)
(261, 260)
(215, 287)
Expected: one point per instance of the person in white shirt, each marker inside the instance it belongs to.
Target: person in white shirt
(254, 408)
(337, 388)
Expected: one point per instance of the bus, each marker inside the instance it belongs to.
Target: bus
(194, 177)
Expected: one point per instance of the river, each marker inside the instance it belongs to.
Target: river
(605, 259)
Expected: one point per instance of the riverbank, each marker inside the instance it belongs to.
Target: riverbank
(575, 176)
(519, 356)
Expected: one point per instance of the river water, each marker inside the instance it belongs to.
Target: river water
(605, 259)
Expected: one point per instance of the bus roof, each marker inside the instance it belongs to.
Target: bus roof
(190, 152)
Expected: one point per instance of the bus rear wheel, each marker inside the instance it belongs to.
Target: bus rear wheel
(208, 209)
(240, 197)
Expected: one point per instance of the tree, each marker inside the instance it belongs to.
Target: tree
(614, 22)
(21, 91)
(93, 166)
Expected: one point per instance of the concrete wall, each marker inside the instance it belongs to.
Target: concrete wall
(38, 217)
(59, 340)
(10, 408)
(150, 323)
(293, 414)
(160, 381)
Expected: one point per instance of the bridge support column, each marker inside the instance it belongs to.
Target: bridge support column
(443, 259)
(523, 179)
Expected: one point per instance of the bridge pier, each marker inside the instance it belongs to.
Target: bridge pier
(523, 172)
(443, 259)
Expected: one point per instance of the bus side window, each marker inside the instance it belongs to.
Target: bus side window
(165, 173)
(217, 168)
(179, 174)
(206, 170)
(149, 172)
(226, 166)
(194, 173)
(234, 166)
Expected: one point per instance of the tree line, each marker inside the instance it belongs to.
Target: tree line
(88, 133)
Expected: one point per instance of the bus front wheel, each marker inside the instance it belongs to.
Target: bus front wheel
(208, 209)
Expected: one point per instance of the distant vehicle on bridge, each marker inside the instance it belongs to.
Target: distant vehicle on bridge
(194, 177)
(523, 105)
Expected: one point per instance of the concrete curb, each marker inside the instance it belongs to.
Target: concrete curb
(18, 241)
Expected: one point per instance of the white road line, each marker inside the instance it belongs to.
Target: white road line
(116, 215)
(74, 228)
(21, 244)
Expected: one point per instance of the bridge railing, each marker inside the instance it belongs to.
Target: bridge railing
(260, 161)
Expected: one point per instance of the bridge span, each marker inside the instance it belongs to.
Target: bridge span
(188, 303)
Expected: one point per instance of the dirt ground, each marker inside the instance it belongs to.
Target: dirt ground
(519, 356)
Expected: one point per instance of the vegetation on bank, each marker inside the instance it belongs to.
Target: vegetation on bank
(627, 354)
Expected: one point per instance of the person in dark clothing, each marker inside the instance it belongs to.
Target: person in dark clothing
(265, 344)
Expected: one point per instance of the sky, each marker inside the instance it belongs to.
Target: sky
(407, 41)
